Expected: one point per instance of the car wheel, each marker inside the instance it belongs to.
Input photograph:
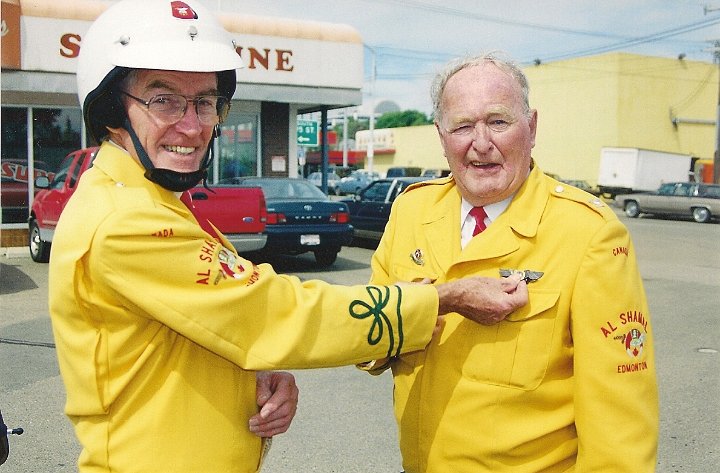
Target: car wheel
(325, 258)
(39, 249)
(701, 214)
(632, 209)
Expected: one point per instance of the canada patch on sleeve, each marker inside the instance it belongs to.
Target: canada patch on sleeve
(223, 264)
(628, 333)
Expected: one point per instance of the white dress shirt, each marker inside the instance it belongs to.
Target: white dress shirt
(467, 222)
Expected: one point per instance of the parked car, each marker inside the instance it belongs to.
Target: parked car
(356, 181)
(584, 185)
(14, 179)
(50, 201)
(370, 209)
(675, 199)
(238, 213)
(333, 180)
(433, 173)
(403, 171)
(301, 218)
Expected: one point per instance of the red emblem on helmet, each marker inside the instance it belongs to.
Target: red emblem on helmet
(183, 11)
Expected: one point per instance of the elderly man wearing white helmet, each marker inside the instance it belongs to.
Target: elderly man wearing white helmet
(160, 339)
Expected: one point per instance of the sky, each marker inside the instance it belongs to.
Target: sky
(411, 39)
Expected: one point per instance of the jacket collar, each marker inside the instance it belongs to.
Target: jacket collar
(125, 171)
(520, 220)
(526, 209)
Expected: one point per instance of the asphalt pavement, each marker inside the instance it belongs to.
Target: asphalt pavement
(344, 421)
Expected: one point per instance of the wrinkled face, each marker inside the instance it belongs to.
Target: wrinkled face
(179, 146)
(486, 133)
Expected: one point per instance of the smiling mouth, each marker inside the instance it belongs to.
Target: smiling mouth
(180, 149)
(477, 165)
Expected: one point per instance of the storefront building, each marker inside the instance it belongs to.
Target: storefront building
(291, 68)
(584, 104)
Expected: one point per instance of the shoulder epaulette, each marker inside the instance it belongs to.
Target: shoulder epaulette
(430, 182)
(565, 191)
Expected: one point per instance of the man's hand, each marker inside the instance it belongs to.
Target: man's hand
(484, 300)
(277, 396)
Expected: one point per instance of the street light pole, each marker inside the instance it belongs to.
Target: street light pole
(345, 138)
(371, 141)
(716, 57)
(716, 160)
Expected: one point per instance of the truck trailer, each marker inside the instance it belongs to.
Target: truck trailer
(627, 170)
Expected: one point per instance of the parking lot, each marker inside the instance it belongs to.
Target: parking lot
(344, 422)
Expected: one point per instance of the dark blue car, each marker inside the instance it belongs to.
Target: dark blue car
(370, 209)
(301, 218)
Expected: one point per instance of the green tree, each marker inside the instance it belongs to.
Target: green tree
(354, 125)
(386, 120)
(400, 119)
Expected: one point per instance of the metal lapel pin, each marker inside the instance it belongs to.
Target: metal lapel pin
(527, 275)
(417, 257)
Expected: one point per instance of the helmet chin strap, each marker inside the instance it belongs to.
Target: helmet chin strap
(167, 178)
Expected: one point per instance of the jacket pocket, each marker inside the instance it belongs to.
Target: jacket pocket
(402, 273)
(516, 352)
(539, 302)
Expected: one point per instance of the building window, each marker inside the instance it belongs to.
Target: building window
(55, 132)
(238, 146)
(14, 164)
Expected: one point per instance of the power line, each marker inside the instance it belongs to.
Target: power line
(444, 10)
(639, 40)
(626, 41)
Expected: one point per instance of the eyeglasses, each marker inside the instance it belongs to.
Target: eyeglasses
(170, 108)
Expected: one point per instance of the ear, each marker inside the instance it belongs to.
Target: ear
(121, 137)
(441, 137)
(114, 134)
(532, 123)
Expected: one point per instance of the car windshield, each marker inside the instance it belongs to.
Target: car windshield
(318, 175)
(287, 189)
(398, 190)
(711, 191)
(666, 189)
(377, 192)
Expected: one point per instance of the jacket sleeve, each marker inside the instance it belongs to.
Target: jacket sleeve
(381, 275)
(164, 268)
(616, 399)
(381, 259)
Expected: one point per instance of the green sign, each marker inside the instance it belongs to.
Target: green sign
(307, 132)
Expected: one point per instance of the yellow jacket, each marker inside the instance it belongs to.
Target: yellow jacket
(157, 325)
(565, 384)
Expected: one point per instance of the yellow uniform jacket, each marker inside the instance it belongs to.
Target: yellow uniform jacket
(157, 324)
(567, 383)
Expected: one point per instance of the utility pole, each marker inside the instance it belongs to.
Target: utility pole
(345, 138)
(371, 141)
(716, 160)
(716, 59)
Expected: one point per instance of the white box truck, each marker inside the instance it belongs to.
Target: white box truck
(627, 170)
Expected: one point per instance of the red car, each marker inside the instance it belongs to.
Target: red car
(51, 200)
(14, 187)
(239, 213)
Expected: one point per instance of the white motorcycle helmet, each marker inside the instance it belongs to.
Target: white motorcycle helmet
(150, 34)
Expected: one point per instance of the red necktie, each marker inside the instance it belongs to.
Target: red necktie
(478, 213)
